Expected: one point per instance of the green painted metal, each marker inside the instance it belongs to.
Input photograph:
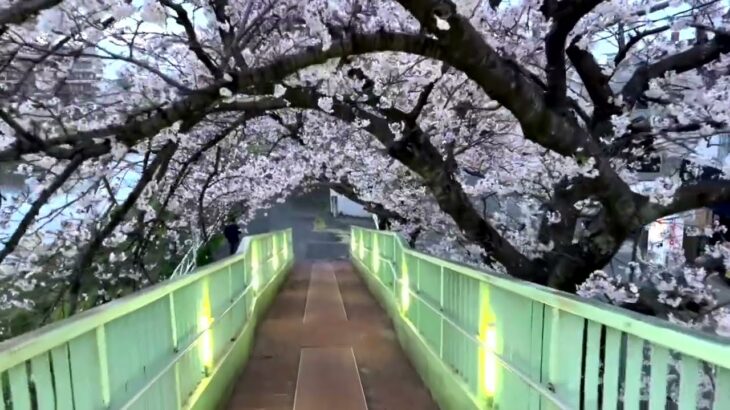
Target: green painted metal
(43, 381)
(611, 385)
(722, 383)
(482, 340)
(19, 388)
(593, 366)
(688, 382)
(160, 348)
(658, 383)
(632, 376)
(567, 359)
(61, 377)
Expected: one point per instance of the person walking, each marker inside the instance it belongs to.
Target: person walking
(232, 232)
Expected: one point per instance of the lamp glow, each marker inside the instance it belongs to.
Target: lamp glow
(375, 255)
(405, 288)
(490, 362)
(205, 346)
(285, 250)
(255, 265)
(275, 257)
(488, 365)
(362, 246)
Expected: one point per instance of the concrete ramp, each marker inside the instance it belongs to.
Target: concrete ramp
(328, 379)
(324, 301)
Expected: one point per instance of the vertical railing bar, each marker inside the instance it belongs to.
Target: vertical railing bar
(178, 393)
(173, 320)
(173, 328)
(103, 364)
(659, 370)
(441, 307)
(689, 377)
(230, 283)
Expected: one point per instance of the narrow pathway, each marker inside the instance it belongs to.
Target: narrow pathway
(326, 344)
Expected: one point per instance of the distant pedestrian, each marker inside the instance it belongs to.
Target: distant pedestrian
(232, 232)
(384, 224)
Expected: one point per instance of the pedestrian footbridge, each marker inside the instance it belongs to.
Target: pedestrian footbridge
(391, 329)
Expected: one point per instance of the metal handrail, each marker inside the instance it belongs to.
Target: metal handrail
(188, 261)
(24, 347)
(197, 339)
(710, 348)
(539, 387)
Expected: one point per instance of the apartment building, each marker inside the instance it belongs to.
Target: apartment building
(71, 79)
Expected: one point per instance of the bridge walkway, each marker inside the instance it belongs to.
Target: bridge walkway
(326, 344)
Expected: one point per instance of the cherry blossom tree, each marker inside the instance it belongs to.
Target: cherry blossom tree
(500, 129)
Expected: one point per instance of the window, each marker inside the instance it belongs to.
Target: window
(651, 163)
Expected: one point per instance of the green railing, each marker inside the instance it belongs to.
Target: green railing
(157, 349)
(510, 344)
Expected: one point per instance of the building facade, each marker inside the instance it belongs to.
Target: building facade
(341, 205)
(69, 79)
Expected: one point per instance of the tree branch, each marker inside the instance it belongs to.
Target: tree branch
(623, 51)
(595, 81)
(203, 190)
(86, 255)
(565, 15)
(346, 189)
(689, 197)
(194, 43)
(191, 108)
(22, 10)
(692, 58)
(42, 199)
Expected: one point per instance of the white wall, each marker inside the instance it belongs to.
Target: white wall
(341, 205)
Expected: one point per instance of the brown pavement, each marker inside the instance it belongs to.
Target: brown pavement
(345, 353)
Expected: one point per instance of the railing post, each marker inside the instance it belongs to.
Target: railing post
(441, 307)
(232, 316)
(173, 332)
(230, 283)
(394, 260)
(395, 247)
(103, 365)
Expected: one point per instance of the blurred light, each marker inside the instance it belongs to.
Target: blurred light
(285, 249)
(255, 265)
(490, 361)
(375, 255)
(405, 288)
(488, 365)
(275, 250)
(205, 346)
(362, 246)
